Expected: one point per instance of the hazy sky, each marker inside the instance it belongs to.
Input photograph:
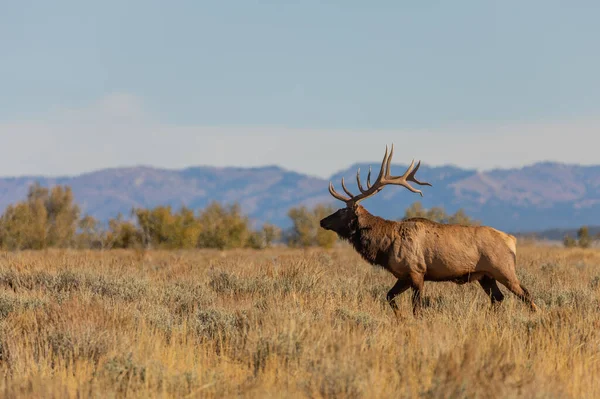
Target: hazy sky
(310, 86)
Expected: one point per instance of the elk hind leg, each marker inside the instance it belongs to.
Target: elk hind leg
(519, 290)
(490, 286)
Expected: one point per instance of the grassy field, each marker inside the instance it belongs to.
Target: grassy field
(288, 323)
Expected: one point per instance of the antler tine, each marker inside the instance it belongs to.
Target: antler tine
(383, 167)
(369, 178)
(411, 188)
(346, 190)
(405, 174)
(389, 162)
(336, 195)
(411, 176)
(358, 182)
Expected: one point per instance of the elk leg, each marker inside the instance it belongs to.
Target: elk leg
(521, 292)
(417, 282)
(398, 288)
(491, 288)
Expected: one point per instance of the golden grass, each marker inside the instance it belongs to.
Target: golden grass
(288, 323)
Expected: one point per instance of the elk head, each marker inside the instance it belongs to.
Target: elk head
(345, 220)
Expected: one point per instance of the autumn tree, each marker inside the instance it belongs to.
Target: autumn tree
(223, 227)
(36, 210)
(460, 217)
(122, 234)
(46, 218)
(160, 227)
(303, 229)
(415, 210)
(306, 231)
(90, 233)
(63, 216)
(188, 228)
(271, 234)
(23, 226)
(438, 214)
(569, 242)
(584, 239)
(264, 237)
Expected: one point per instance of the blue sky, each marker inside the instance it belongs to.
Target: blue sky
(306, 85)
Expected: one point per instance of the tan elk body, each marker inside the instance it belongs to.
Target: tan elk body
(418, 250)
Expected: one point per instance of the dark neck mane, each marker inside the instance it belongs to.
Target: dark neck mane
(372, 237)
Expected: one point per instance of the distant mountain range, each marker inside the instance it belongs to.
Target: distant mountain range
(538, 197)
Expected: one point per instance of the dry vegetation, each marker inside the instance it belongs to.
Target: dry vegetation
(288, 323)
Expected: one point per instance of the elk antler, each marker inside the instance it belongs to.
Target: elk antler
(384, 178)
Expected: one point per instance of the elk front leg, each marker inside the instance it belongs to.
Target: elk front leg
(398, 288)
(417, 283)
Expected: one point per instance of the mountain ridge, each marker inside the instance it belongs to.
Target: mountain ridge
(539, 196)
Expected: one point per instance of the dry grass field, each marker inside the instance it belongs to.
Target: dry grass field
(288, 323)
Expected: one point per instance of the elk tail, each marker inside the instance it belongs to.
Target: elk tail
(512, 245)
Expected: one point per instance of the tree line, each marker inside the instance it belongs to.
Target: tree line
(584, 238)
(50, 218)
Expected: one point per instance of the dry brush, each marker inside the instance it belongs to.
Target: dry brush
(294, 323)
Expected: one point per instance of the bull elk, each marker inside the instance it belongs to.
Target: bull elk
(417, 250)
